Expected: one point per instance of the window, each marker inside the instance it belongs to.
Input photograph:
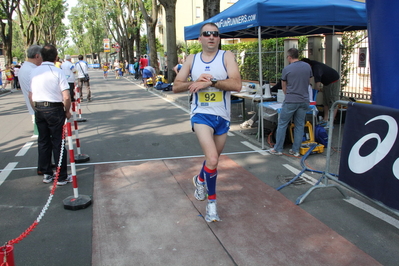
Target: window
(198, 12)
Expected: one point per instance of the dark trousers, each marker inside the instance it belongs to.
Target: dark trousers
(72, 91)
(50, 122)
(82, 82)
(136, 74)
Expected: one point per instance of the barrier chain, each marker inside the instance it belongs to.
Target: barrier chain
(45, 208)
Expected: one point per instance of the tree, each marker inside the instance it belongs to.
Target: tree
(6, 13)
(211, 8)
(151, 19)
(51, 30)
(28, 13)
(87, 27)
(170, 13)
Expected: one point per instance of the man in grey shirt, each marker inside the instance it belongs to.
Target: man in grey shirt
(295, 83)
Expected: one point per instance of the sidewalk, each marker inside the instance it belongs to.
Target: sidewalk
(150, 217)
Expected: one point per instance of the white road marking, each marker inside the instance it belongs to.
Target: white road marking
(6, 171)
(24, 149)
(357, 203)
(373, 211)
(251, 146)
(307, 178)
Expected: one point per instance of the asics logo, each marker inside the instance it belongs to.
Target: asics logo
(360, 164)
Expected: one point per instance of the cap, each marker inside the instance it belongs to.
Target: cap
(67, 57)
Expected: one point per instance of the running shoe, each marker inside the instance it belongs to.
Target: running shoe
(211, 212)
(66, 181)
(47, 178)
(296, 154)
(200, 190)
(274, 152)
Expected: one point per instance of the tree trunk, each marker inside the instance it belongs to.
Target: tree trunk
(8, 43)
(137, 41)
(152, 46)
(170, 12)
(170, 15)
(211, 8)
(151, 22)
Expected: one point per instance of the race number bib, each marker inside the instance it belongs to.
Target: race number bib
(210, 97)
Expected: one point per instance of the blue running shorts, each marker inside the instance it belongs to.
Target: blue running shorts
(219, 124)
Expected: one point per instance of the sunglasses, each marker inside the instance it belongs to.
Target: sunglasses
(209, 33)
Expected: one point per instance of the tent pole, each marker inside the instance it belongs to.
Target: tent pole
(276, 58)
(260, 109)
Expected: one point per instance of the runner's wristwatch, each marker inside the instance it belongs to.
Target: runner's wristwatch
(214, 81)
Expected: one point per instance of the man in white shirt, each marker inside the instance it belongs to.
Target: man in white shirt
(82, 69)
(69, 70)
(34, 59)
(50, 98)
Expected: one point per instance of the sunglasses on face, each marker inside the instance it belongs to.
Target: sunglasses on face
(209, 33)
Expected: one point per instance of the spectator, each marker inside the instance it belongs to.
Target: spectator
(82, 70)
(34, 60)
(295, 83)
(126, 67)
(50, 98)
(69, 70)
(136, 67)
(148, 72)
(143, 63)
(215, 74)
(177, 68)
(329, 77)
(16, 80)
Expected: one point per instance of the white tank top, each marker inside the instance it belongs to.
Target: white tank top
(211, 100)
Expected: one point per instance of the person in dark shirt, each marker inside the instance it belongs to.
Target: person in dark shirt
(329, 77)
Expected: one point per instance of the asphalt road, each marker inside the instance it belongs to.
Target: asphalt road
(126, 123)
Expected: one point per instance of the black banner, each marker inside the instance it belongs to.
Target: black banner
(370, 152)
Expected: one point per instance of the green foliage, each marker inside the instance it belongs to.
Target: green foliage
(350, 39)
(143, 45)
(18, 48)
(249, 68)
(192, 48)
(87, 26)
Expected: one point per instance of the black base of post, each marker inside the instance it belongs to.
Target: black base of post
(74, 204)
(81, 158)
(81, 120)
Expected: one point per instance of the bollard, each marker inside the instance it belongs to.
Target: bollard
(79, 158)
(7, 255)
(79, 119)
(75, 202)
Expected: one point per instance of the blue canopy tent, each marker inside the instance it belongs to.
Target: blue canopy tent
(284, 18)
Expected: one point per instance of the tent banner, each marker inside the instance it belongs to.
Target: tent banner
(370, 152)
(242, 19)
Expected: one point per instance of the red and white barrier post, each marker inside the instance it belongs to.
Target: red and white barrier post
(79, 158)
(79, 119)
(75, 202)
(7, 255)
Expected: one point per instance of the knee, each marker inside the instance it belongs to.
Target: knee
(212, 162)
